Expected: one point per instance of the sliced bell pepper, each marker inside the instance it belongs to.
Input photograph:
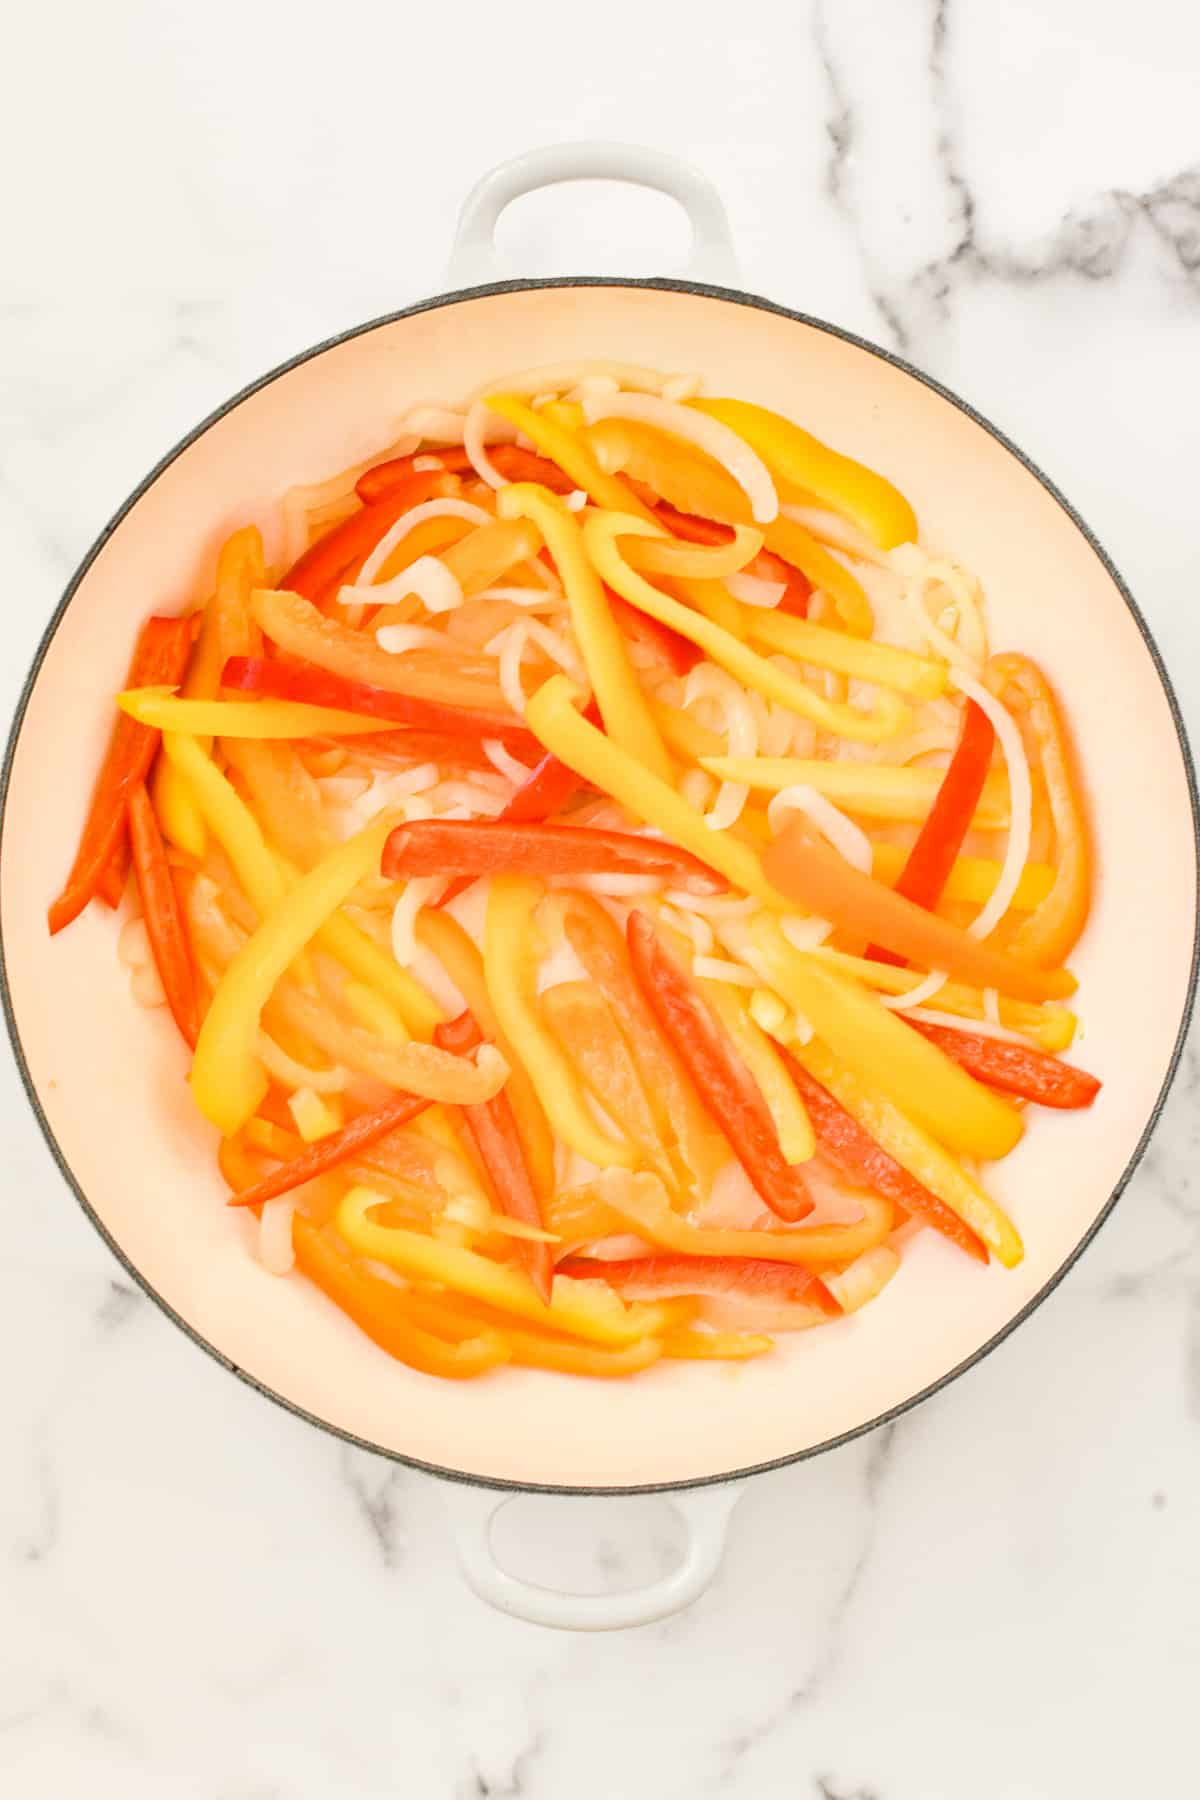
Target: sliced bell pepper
(511, 460)
(1049, 935)
(379, 1308)
(164, 921)
(601, 533)
(797, 458)
(738, 1277)
(801, 550)
(1016, 1068)
(581, 1309)
(284, 795)
(716, 1346)
(889, 792)
(1052, 1027)
(539, 1350)
(159, 658)
(665, 645)
(627, 718)
(724, 1083)
(730, 554)
(852, 1150)
(927, 870)
(815, 876)
(914, 1149)
(695, 530)
(259, 719)
(887, 1052)
(476, 560)
(231, 822)
(681, 474)
(971, 878)
(510, 967)
(478, 847)
(918, 676)
(494, 1132)
(572, 453)
(325, 564)
(330, 1152)
(767, 1070)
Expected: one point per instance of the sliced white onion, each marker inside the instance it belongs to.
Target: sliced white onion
(916, 996)
(616, 886)
(429, 509)
(478, 800)
(413, 781)
(719, 968)
(290, 1073)
(512, 648)
(919, 572)
(557, 378)
(739, 725)
(753, 590)
(832, 529)
(133, 944)
(445, 425)
(426, 465)
(977, 1027)
(728, 806)
(847, 838)
(592, 386)
(473, 443)
(991, 1005)
(805, 934)
(396, 639)
(146, 986)
(437, 587)
(504, 760)
(713, 906)
(681, 387)
(709, 435)
(532, 598)
(576, 500)
(275, 1251)
(554, 643)
(1020, 803)
(404, 916)
(698, 929)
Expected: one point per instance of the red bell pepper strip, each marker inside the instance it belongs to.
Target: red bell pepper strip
(324, 565)
(164, 921)
(478, 847)
(1017, 1068)
(328, 1152)
(850, 1148)
(159, 660)
(493, 1130)
(929, 862)
(514, 463)
(660, 1277)
(111, 885)
(318, 687)
(728, 1090)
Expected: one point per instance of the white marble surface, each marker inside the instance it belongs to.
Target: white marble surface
(998, 1598)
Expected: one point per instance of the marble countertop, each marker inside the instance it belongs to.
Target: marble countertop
(997, 1598)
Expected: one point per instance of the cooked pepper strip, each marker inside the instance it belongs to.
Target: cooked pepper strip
(815, 876)
(478, 847)
(852, 1150)
(1030, 1074)
(230, 820)
(159, 657)
(324, 564)
(1049, 935)
(925, 874)
(578, 1308)
(573, 454)
(766, 1068)
(379, 1309)
(493, 1130)
(800, 460)
(511, 460)
(915, 1150)
(330, 1152)
(627, 718)
(918, 676)
(318, 689)
(802, 551)
(716, 1346)
(601, 532)
(884, 791)
(887, 1052)
(725, 1084)
(1053, 1027)
(206, 719)
(971, 878)
(160, 907)
(730, 1277)
(510, 967)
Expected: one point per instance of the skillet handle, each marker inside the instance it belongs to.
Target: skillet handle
(705, 1512)
(473, 258)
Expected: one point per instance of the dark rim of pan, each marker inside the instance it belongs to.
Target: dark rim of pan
(734, 297)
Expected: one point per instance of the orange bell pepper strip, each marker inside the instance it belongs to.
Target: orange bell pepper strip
(478, 847)
(845, 1143)
(378, 1308)
(530, 1348)
(813, 875)
(725, 1084)
(325, 565)
(1050, 933)
(1015, 1068)
(330, 1152)
(927, 869)
(159, 659)
(164, 921)
(493, 1130)
(682, 1123)
(718, 1346)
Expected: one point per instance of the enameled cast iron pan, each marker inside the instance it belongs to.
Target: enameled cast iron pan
(106, 1079)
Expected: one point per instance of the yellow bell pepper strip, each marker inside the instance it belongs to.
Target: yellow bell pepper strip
(914, 1149)
(918, 676)
(689, 740)
(700, 562)
(600, 533)
(231, 822)
(884, 791)
(572, 453)
(367, 961)
(639, 1203)
(787, 539)
(1053, 1027)
(767, 1069)
(816, 877)
(315, 1118)
(445, 938)
(683, 476)
(1049, 935)
(510, 967)
(627, 718)
(380, 1310)
(164, 711)
(580, 1309)
(300, 629)
(537, 1350)
(878, 1046)
(795, 457)
(971, 878)
(285, 797)
(556, 722)
(715, 1346)
(582, 1020)
(694, 1145)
